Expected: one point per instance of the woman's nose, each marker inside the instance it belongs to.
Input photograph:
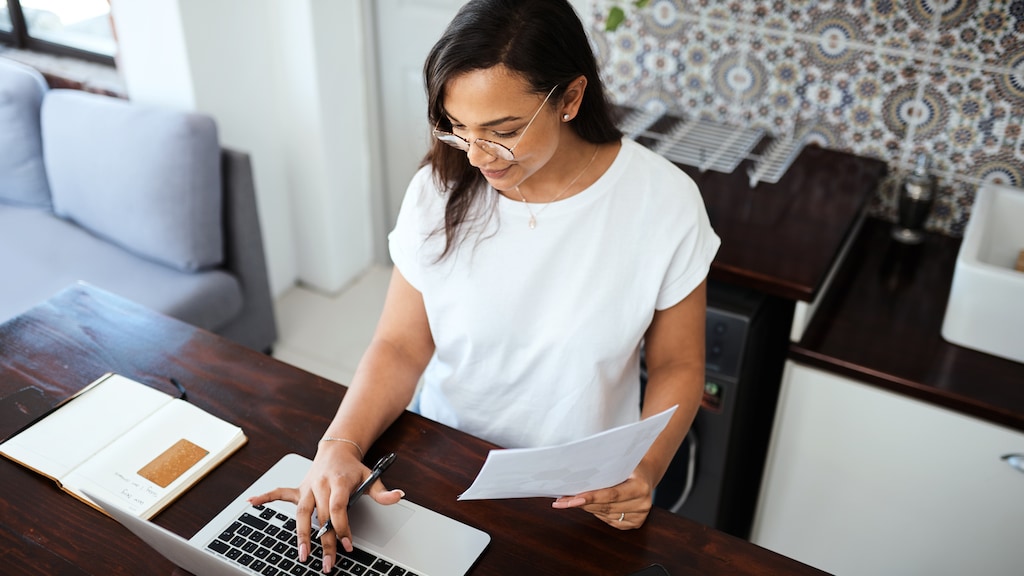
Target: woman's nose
(478, 156)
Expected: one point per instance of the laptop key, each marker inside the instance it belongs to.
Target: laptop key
(383, 566)
(397, 571)
(218, 546)
(360, 555)
(253, 521)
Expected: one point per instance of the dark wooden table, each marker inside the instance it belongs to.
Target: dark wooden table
(60, 346)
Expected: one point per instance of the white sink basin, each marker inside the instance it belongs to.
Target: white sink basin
(986, 303)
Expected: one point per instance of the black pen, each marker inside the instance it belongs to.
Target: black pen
(378, 469)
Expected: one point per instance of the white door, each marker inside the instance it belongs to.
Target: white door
(406, 30)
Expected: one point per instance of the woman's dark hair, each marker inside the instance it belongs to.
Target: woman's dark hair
(541, 40)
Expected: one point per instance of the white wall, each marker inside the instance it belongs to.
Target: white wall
(276, 75)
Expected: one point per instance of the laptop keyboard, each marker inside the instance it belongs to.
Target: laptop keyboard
(263, 541)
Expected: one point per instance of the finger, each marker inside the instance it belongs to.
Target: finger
(285, 494)
(632, 494)
(382, 495)
(339, 520)
(569, 502)
(329, 542)
(614, 509)
(624, 520)
(303, 523)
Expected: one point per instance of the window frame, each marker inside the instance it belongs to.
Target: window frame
(20, 38)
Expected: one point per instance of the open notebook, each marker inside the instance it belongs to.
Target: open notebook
(127, 442)
(403, 539)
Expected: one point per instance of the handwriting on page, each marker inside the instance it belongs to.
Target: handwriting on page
(135, 492)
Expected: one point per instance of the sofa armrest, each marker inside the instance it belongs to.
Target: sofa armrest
(244, 256)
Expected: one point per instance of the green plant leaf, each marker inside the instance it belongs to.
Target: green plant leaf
(641, 3)
(615, 17)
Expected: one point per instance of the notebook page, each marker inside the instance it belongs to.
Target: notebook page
(157, 459)
(64, 439)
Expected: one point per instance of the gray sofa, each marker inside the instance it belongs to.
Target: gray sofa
(141, 201)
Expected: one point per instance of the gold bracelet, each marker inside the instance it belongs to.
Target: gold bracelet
(347, 441)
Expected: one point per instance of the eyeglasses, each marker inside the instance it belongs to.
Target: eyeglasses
(492, 148)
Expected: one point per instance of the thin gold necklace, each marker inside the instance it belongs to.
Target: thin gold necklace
(533, 217)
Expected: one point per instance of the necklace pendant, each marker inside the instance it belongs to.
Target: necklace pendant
(533, 222)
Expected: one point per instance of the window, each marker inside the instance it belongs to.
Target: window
(79, 28)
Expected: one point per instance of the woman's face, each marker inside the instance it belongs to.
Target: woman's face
(495, 104)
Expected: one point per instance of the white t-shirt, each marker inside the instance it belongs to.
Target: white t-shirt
(538, 331)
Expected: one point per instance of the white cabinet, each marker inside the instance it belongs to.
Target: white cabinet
(861, 481)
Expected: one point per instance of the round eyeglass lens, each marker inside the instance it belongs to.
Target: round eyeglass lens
(495, 149)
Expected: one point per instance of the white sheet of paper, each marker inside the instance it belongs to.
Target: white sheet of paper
(599, 461)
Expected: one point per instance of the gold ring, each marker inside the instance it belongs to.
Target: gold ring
(621, 516)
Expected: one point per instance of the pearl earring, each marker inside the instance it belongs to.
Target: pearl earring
(565, 117)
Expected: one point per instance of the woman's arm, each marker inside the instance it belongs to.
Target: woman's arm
(674, 348)
(381, 389)
(385, 380)
(675, 374)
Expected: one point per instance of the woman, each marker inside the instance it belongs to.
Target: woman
(535, 251)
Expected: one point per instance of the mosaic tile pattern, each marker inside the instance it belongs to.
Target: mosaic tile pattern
(879, 78)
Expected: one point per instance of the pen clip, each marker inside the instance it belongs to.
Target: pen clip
(384, 462)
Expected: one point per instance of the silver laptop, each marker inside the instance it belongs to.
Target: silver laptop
(403, 539)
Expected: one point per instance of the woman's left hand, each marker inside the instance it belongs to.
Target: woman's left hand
(624, 506)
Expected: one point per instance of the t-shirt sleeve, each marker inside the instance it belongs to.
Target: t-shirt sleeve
(695, 249)
(414, 227)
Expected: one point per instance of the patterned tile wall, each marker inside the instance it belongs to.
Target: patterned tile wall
(880, 78)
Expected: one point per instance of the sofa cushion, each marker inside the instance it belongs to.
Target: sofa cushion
(22, 176)
(145, 177)
(42, 254)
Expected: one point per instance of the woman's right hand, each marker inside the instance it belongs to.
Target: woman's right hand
(335, 473)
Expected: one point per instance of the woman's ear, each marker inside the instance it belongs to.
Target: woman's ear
(572, 98)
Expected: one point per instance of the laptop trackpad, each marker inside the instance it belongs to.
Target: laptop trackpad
(377, 523)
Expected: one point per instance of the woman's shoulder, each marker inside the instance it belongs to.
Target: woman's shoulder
(423, 178)
(640, 163)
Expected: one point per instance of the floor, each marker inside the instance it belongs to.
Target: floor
(327, 334)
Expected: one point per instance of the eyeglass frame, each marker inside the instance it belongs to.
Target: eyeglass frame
(493, 148)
